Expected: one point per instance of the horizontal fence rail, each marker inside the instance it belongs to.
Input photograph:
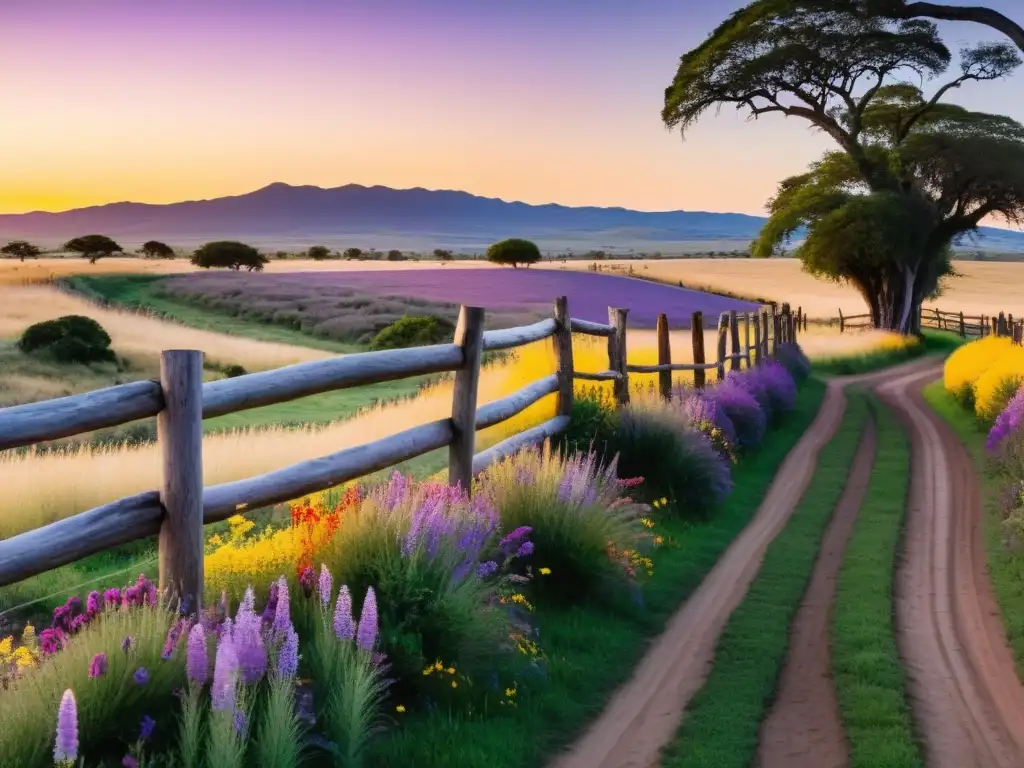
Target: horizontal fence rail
(178, 510)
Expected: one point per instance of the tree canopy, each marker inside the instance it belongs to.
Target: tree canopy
(21, 249)
(318, 252)
(154, 249)
(514, 251)
(93, 247)
(353, 253)
(229, 254)
(913, 174)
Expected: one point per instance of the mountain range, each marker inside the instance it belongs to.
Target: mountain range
(285, 216)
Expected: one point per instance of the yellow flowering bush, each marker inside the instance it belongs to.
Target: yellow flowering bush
(967, 363)
(1000, 381)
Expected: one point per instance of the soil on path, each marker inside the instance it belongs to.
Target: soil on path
(967, 700)
(803, 728)
(645, 713)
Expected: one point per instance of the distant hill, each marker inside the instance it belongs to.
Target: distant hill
(283, 216)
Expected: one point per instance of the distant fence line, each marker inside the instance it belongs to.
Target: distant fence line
(966, 326)
(180, 400)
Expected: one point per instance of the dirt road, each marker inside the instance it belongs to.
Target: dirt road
(803, 728)
(968, 703)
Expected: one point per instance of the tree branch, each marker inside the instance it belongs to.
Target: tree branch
(904, 130)
(976, 14)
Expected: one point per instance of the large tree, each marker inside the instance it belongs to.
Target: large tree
(93, 247)
(913, 174)
(21, 249)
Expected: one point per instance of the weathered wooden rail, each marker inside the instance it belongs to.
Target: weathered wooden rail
(966, 326)
(178, 510)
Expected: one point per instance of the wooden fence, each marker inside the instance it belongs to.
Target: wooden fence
(967, 326)
(180, 400)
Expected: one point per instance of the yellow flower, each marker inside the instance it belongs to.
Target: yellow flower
(545, 571)
(438, 666)
(23, 657)
(658, 541)
(28, 637)
(450, 670)
(215, 541)
(5, 647)
(400, 709)
(428, 670)
(510, 692)
(455, 684)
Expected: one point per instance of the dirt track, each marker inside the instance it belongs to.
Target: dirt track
(968, 703)
(803, 729)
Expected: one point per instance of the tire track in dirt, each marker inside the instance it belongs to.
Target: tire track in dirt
(645, 713)
(803, 728)
(967, 701)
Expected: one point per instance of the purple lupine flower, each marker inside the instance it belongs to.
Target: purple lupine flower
(65, 748)
(129, 761)
(307, 581)
(78, 623)
(511, 542)
(489, 568)
(62, 618)
(174, 634)
(146, 728)
(126, 643)
(702, 413)
(525, 550)
(94, 604)
(752, 381)
(197, 664)
(1007, 423)
(240, 721)
(344, 626)
(141, 676)
(225, 675)
(247, 637)
(112, 597)
(366, 633)
(288, 656)
(51, 640)
(98, 665)
(248, 604)
(270, 609)
(325, 585)
(282, 616)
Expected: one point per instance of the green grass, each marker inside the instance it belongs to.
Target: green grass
(590, 648)
(1005, 564)
(142, 292)
(866, 667)
(722, 722)
(935, 342)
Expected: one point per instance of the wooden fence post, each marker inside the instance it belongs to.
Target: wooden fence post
(723, 330)
(842, 323)
(179, 431)
(766, 322)
(664, 357)
(697, 332)
(757, 339)
(746, 338)
(776, 334)
(563, 356)
(468, 335)
(963, 327)
(995, 326)
(734, 338)
(617, 353)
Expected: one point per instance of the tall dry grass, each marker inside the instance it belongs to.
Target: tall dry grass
(42, 487)
(139, 335)
(980, 288)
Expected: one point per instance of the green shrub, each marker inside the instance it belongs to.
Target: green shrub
(69, 339)
(234, 370)
(575, 511)
(410, 331)
(677, 462)
(591, 425)
(514, 251)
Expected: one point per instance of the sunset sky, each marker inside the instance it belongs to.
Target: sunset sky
(533, 100)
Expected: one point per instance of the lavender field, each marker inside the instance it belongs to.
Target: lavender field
(352, 306)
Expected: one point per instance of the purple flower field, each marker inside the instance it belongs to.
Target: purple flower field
(529, 290)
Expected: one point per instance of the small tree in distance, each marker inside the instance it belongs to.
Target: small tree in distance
(514, 251)
(229, 254)
(351, 254)
(93, 247)
(318, 252)
(396, 255)
(154, 249)
(443, 255)
(21, 249)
